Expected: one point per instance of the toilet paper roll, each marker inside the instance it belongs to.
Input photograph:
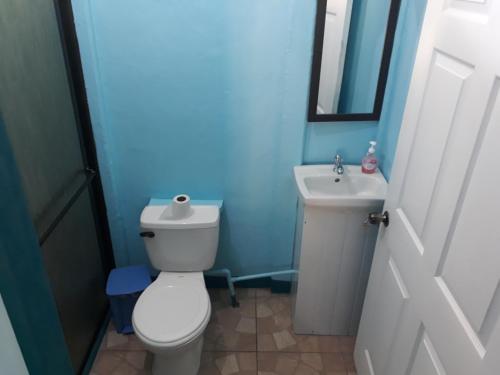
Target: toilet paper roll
(181, 206)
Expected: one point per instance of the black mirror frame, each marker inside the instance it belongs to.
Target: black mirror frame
(313, 116)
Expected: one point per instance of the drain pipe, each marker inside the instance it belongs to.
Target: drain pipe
(225, 272)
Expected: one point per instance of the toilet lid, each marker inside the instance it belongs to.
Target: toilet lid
(171, 314)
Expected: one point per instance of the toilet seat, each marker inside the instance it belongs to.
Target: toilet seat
(171, 312)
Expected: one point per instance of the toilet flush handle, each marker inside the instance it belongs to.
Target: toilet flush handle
(147, 234)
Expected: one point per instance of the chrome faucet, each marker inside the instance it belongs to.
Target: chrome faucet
(337, 165)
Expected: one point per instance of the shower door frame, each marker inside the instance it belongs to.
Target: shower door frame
(93, 184)
(76, 82)
(27, 295)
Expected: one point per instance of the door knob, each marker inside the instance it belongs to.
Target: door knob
(376, 218)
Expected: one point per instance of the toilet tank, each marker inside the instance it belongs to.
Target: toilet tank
(188, 244)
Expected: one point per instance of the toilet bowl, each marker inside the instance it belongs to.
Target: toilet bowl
(172, 313)
(170, 318)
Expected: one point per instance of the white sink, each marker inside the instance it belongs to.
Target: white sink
(318, 185)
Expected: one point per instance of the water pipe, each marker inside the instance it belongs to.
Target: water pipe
(231, 280)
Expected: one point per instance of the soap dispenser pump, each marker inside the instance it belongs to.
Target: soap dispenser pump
(369, 162)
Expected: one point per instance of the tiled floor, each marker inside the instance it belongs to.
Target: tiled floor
(256, 338)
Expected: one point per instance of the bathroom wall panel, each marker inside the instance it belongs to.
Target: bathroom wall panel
(227, 97)
(205, 98)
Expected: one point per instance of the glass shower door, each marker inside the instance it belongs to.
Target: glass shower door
(38, 107)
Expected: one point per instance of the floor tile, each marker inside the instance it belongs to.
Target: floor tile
(349, 361)
(106, 362)
(262, 322)
(275, 330)
(347, 343)
(231, 329)
(115, 362)
(222, 294)
(120, 342)
(301, 364)
(228, 363)
(262, 292)
(132, 343)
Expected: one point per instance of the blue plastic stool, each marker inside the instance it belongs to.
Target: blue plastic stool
(124, 287)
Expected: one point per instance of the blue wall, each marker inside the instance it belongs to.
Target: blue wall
(323, 140)
(406, 42)
(203, 97)
(210, 99)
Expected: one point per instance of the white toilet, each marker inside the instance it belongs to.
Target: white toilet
(173, 312)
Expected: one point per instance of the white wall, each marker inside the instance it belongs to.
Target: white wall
(11, 359)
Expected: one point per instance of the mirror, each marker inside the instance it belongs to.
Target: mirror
(352, 52)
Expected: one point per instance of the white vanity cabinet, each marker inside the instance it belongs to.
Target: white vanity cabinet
(333, 250)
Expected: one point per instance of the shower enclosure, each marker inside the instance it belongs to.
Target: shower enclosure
(43, 107)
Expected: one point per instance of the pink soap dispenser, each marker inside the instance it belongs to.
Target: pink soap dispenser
(369, 162)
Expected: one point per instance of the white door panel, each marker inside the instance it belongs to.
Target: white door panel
(426, 359)
(433, 300)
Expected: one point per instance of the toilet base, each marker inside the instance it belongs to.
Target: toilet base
(185, 361)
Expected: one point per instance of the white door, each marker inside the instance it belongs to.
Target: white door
(337, 21)
(433, 300)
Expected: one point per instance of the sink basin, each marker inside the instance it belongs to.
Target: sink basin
(318, 185)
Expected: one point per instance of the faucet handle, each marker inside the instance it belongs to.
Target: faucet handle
(337, 165)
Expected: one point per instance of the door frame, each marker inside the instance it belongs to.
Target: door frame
(76, 81)
(24, 284)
